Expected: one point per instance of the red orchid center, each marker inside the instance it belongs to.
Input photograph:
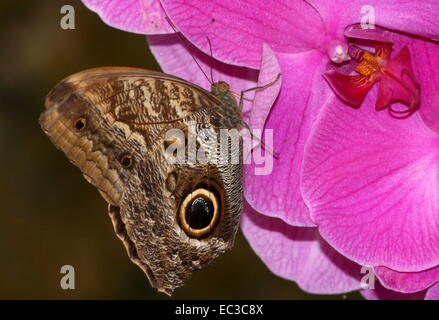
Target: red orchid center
(368, 65)
(398, 83)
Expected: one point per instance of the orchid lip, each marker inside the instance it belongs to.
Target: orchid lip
(398, 83)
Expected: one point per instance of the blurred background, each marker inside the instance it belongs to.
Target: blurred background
(50, 216)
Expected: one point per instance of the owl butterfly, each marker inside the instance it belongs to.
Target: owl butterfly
(173, 217)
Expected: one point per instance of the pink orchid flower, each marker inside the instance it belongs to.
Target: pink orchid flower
(352, 187)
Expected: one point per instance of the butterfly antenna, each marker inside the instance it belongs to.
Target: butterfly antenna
(211, 58)
(183, 41)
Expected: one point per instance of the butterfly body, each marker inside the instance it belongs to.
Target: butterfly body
(114, 124)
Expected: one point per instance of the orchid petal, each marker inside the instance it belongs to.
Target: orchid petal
(269, 77)
(237, 29)
(412, 17)
(381, 293)
(299, 254)
(264, 98)
(371, 183)
(139, 16)
(408, 282)
(292, 116)
(433, 293)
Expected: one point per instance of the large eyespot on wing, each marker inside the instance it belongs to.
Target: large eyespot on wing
(176, 219)
(200, 211)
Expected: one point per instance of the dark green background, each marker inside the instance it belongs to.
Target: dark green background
(50, 216)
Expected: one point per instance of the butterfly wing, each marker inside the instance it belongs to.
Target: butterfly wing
(113, 124)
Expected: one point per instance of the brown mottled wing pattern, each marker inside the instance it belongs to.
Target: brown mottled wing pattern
(129, 111)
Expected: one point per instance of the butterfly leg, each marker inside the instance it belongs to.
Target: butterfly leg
(241, 97)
